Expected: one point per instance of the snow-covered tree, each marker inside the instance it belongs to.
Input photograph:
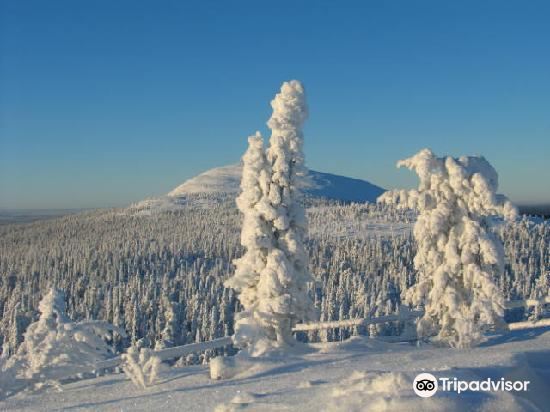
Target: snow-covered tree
(458, 256)
(55, 348)
(16, 326)
(271, 277)
(283, 286)
(172, 325)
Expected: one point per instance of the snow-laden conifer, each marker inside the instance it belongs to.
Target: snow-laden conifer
(271, 278)
(283, 286)
(16, 327)
(458, 257)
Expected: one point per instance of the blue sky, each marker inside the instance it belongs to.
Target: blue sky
(106, 102)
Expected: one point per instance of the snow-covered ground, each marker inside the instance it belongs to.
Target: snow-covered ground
(360, 374)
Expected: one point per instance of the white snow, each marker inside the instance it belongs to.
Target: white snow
(225, 179)
(360, 374)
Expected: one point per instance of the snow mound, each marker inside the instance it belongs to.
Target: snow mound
(371, 391)
(227, 179)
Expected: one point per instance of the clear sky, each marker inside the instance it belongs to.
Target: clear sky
(105, 102)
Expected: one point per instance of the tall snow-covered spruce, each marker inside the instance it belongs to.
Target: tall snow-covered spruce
(458, 257)
(271, 277)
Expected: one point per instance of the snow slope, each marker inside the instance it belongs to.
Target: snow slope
(357, 375)
(227, 179)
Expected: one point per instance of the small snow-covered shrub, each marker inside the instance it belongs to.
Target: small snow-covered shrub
(54, 348)
(141, 366)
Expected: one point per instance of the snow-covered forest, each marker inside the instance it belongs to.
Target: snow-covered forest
(159, 274)
(240, 273)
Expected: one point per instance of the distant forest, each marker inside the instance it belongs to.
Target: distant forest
(542, 210)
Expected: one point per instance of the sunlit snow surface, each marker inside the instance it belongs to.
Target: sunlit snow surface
(357, 375)
(227, 179)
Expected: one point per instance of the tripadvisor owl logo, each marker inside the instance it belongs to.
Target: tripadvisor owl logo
(425, 385)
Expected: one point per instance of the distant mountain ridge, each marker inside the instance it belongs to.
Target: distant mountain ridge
(227, 179)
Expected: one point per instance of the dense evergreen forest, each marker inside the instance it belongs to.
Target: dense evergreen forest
(158, 272)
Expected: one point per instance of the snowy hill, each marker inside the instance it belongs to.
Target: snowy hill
(228, 178)
(359, 374)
